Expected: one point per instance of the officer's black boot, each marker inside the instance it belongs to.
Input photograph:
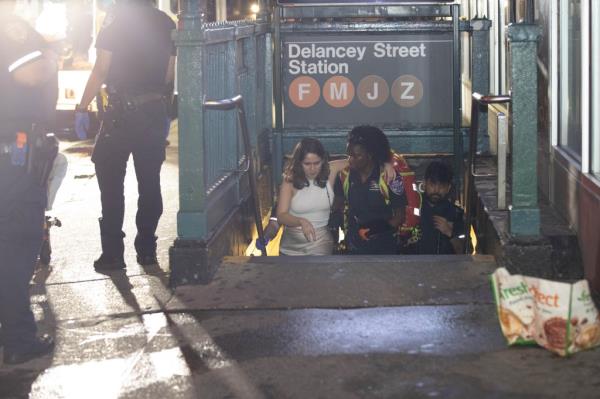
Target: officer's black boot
(106, 262)
(145, 246)
(112, 250)
(147, 260)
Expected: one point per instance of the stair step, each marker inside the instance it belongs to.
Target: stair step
(342, 282)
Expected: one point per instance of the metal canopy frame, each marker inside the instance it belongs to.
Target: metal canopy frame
(371, 10)
(316, 3)
(393, 9)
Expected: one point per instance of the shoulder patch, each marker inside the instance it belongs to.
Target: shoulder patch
(397, 186)
(16, 31)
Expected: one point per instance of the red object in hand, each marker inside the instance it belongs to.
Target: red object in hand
(364, 234)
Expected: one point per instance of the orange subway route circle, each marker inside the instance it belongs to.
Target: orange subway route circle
(304, 92)
(338, 91)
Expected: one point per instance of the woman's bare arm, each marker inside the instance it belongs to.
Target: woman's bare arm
(335, 167)
(286, 192)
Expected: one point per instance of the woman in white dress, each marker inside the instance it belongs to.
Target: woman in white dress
(305, 200)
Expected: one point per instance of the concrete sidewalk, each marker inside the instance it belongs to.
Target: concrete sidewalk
(339, 327)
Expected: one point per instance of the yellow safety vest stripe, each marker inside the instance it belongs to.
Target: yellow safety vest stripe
(383, 187)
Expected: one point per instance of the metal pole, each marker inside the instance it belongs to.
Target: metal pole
(263, 15)
(530, 11)
(277, 68)
(191, 220)
(525, 211)
(456, 99)
(513, 11)
(502, 143)
(191, 14)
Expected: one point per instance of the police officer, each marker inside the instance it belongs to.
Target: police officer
(29, 87)
(374, 208)
(135, 58)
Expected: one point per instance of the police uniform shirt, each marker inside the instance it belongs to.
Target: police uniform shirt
(366, 204)
(139, 38)
(20, 106)
(432, 241)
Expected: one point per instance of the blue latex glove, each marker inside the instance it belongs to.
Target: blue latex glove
(18, 154)
(82, 124)
(262, 245)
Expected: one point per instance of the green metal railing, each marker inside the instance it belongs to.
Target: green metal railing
(234, 59)
(237, 103)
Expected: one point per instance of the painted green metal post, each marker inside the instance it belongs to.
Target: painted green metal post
(457, 99)
(188, 255)
(277, 149)
(263, 14)
(191, 219)
(480, 63)
(211, 222)
(525, 212)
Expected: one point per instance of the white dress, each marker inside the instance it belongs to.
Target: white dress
(312, 203)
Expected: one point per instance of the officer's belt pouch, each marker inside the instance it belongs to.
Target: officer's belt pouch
(133, 102)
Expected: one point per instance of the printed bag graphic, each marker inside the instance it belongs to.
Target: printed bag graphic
(559, 316)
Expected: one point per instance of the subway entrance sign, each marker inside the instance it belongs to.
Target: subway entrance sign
(401, 80)
(358, 2)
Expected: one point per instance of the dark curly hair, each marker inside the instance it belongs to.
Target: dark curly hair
(373, 140)
(295, 174)
(439, 172)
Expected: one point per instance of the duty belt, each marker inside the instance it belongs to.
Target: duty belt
(133, 102)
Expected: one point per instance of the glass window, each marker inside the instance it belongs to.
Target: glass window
(497, 11)
(570, 77)
(595, 76)
(504, 16)
(465, 9)
(521, 10)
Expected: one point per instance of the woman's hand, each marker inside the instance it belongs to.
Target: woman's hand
(308, 230)
(389, 172)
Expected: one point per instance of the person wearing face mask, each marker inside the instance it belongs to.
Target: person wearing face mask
(442, 222)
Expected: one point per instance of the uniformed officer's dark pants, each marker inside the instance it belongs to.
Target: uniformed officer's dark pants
(139, 133)
(22, 204)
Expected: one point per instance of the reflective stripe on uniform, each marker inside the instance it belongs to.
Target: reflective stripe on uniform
(24, 60)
